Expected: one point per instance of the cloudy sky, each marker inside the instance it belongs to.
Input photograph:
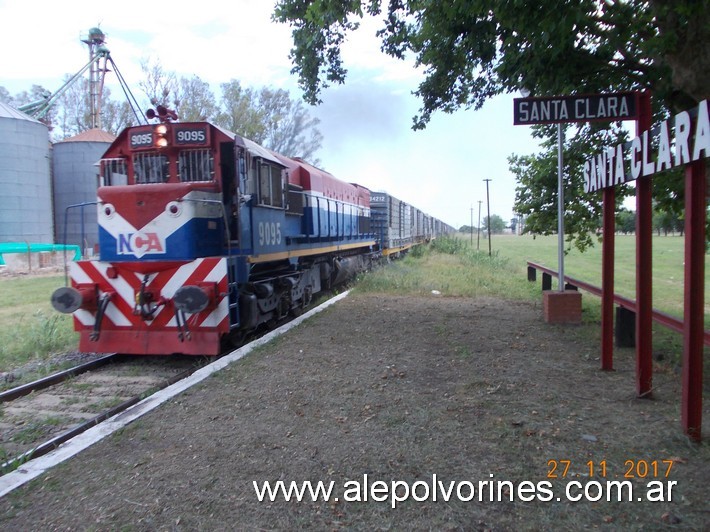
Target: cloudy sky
(366, 123)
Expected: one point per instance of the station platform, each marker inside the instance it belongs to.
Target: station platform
(376, 395)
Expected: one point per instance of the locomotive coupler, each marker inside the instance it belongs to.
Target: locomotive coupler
(146, 305)
(103, 303)
(181, 321)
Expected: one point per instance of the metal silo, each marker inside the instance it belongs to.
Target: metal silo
(74, 172)
(25, 188)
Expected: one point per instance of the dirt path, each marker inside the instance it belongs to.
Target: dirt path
(395, 389)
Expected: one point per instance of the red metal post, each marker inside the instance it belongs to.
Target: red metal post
(694, 301)
(609, 229)
(644, 284)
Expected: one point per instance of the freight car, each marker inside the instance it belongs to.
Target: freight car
(205, 236)
(399, 226)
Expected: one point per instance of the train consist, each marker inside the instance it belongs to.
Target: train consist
(204, 236)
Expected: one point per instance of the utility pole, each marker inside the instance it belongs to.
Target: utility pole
(478, 239)
(488, 201)
(471, 225)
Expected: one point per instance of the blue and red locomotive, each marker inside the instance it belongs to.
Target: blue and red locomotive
(205, 235)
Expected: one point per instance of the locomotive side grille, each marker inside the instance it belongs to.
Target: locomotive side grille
(114, 172)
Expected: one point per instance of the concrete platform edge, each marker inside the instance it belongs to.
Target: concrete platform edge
(36, 467)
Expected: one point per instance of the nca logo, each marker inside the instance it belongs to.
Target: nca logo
(140, 244)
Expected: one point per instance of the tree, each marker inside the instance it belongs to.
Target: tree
(475, 49)
(290, 129)
(496, 223)
(269, 117)
(472, 50)
(70, 113)
(666, 221)
(241, 112)
(159, 84)
(5, 96)
(514, 224)
(626, 221)
(37, 93)
(116, 116)
(536, 192)
(195, 100)
(74, 113)
(73, 109)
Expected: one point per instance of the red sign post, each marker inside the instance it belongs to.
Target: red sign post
(689, 147)
(694, 296)
(644, 266)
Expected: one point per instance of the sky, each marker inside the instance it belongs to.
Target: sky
(366, 122)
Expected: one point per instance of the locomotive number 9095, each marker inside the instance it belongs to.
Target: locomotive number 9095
(191, 136)
(269, 233)
(141, 139)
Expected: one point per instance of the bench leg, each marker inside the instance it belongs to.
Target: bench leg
(625, 327)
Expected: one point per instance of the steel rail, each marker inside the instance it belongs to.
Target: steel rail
(56, 378)
(55, 442)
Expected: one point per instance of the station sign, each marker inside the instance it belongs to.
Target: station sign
(580, 108)
(688, 140)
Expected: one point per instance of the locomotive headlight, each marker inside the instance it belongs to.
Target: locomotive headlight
(68, 299)
(160, 136)
(191, 299)
(108, 210)
(173, 208)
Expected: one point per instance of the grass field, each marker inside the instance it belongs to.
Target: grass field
(30, 329)
(667, 264)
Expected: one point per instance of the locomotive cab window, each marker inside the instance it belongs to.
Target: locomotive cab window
(270, 185)
(196, 165)
(114, 172)
(150, 168)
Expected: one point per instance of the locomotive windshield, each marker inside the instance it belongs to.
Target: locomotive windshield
(150, 167)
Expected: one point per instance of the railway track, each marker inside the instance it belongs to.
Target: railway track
(37, 417)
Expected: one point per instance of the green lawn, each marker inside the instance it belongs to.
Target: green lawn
(29, 327)
(667, 264)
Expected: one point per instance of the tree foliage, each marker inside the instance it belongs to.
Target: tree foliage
(626, 221)
(267, 116)
(195, 100)
(271, 118)
(159, 84)
(496, 223)
(241, 112)
(536, 195)
(472, 50)
(35, 94)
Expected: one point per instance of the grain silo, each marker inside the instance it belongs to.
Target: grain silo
(74, 169)
(25, 186)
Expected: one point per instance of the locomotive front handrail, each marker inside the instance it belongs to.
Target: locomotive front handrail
(66, 224)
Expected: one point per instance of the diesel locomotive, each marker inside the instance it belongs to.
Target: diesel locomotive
(204, 236)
